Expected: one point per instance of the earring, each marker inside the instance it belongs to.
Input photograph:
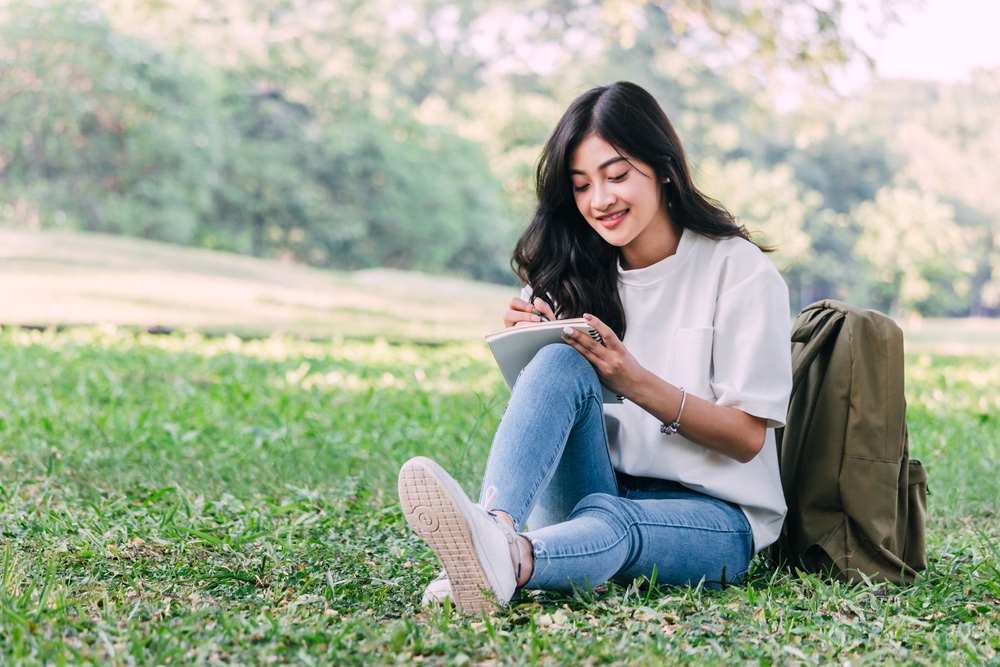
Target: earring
(666, 180)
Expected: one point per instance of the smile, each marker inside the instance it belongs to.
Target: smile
(612, 219)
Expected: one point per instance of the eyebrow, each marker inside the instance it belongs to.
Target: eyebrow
(604, 165)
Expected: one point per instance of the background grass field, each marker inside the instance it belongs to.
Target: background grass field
(61, 278)
(192, 499)
(51, 278)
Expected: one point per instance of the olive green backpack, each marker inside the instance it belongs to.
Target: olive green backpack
(857, 504)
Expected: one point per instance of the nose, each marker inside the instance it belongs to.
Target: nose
(603, 197)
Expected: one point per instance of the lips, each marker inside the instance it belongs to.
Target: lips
(612, 219)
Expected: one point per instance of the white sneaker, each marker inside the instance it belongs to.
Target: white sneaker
(471, 543)
(436, 591)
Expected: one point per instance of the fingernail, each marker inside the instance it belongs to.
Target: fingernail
(536, 312)
(567, 331)
(588, 316)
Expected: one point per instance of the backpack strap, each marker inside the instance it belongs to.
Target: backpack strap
(814, 329)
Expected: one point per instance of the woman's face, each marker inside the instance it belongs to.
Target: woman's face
(620, 198)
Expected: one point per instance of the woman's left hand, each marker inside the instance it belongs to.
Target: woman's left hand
(615, 365)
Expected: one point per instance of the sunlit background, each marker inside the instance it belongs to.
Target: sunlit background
(346, 145)
(939, 40)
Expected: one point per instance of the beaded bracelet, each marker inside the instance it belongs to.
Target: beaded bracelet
(673, 428)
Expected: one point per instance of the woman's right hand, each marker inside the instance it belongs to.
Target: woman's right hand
(520, 311)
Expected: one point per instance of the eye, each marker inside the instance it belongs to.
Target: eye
(580, 188)
(619, 178)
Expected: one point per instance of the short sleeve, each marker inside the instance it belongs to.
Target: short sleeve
(751, 353)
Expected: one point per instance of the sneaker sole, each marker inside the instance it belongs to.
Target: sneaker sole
(430, 510)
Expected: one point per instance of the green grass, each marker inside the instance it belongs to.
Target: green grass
(190, 500)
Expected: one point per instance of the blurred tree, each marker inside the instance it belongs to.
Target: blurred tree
(444, 58)
(358, 133)
(266, 202)
(944, 139)
(100, 130)
(917, 256)
(952, 139)
(424, 199)
(772, 206)
(845, 165)
(104, 132)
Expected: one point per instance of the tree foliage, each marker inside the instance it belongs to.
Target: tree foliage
(99, 129)
(916, 255)
(357, 133)
(104, 131)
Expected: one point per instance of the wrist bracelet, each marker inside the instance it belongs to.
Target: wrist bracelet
(673, 428)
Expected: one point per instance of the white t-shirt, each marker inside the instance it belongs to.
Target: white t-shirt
(714, 319)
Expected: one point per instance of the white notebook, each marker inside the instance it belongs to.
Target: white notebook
(514, 347)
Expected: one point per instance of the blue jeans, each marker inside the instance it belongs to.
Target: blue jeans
(589, 523)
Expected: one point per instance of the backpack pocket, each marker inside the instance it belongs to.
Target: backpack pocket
(915, 547)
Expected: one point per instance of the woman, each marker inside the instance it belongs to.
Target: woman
(683, 477)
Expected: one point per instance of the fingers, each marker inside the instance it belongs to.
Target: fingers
(607, 333)
(519, 311)
(605, 355)
(582, 341)
(541, 308)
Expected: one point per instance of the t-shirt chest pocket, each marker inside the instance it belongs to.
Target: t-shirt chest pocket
(691, 361)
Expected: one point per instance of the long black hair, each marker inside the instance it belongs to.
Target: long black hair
(559, 255)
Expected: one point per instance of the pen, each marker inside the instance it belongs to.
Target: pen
(539, 313)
